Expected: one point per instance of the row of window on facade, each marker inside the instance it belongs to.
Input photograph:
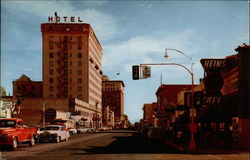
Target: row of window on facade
(65, 96)
(109, 85)
(65, 72)
(65, 63)
(65, 80)
(64, 55)
(79, 88)
(110, 89)
(23, 87)
(66, 43)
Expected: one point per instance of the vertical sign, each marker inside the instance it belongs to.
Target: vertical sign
(146, 72)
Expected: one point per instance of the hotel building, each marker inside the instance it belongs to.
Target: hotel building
(72, 66)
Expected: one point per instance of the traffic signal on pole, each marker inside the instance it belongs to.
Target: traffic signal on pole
(135, 72)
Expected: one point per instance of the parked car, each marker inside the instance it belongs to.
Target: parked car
(53, 133)
(90, 130)
(72, 130)
(13, 132)
(154, 133)
(104, 128)
(82, 130)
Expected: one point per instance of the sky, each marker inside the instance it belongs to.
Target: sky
(131, 33)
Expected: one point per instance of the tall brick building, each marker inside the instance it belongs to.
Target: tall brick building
(113, 97)
(72, 64)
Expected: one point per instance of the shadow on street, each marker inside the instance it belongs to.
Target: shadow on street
(134, 144)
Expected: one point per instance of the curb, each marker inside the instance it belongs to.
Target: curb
(178, 147)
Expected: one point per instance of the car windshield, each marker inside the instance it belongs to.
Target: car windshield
(7, 123)
(52, 128)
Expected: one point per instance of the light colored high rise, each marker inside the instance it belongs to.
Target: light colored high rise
(72, 65)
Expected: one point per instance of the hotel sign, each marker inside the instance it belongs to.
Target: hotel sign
(64, 19)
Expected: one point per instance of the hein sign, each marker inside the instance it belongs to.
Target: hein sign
(213, 63)
(65, 19)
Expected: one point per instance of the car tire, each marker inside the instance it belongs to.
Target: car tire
(32, 141)
(14, 144)
(66, 139)
(58, 139)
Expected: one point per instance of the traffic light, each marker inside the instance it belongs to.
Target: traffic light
(135, 72)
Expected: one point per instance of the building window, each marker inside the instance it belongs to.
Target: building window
(79, 55)
(79, 96)
(79, 80)
(51, 80)
(51, 63)
(79, 39)
(51, 55)
(79, 63)
(79, 72)
(51, 42)
(79, 89)
(51, 71)
(51, 88)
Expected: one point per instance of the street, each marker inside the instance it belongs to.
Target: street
(111, 145)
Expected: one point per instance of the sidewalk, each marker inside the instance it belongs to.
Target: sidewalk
(206, 148)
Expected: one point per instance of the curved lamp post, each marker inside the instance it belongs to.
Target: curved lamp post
(192, 144)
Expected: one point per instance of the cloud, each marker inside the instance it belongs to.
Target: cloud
(145, 49)
(27, 69)
(8, 73)
(99, 20)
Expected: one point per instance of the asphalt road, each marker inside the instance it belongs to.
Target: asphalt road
(115, 145)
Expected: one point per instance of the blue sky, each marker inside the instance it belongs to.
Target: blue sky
(131, 32)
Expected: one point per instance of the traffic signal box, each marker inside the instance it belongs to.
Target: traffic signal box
(135, 72)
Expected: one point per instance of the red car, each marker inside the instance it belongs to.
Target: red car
(13, 132)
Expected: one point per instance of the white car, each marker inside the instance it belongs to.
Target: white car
(72, 131)
(53, 133)
(82, 130)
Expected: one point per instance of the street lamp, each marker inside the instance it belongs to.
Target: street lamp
(192, 144)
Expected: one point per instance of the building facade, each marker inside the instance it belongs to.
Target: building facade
(167, 102)
(149, 111)
(72, 65)
(113, 96)
(25, 87)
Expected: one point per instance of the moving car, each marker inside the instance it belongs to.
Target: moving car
(53, 133)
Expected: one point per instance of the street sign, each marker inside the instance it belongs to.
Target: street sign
(146, 72)
(50, 114)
